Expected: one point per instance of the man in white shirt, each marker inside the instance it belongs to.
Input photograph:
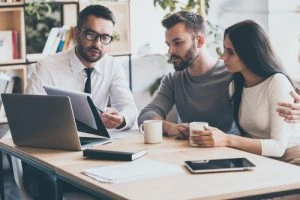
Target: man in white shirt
(67, 70)
(85, 68)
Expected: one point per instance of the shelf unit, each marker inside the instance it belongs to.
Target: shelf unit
(12, 15)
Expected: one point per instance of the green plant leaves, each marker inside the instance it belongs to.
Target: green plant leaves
(37, 7)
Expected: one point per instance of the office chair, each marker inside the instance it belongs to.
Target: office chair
(18, 176)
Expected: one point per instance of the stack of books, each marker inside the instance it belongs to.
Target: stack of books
(59, 39)
(9, 1)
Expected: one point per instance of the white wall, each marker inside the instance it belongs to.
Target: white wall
(280, 19)
(148, 48)
(146, 28)
(284, 30)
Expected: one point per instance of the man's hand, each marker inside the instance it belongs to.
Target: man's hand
(180, 131)
(290, 111)
(210, 137)
(112, 119)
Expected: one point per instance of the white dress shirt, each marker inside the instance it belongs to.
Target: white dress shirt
(108, 81)
(259, 118)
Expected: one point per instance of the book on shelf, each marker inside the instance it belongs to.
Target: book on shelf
(59, 41)
(69, 40)
(7, 82)
(105, 154)
(4, 80)
(9, 47)
(50, 40)
(55, 43)
(9, 1)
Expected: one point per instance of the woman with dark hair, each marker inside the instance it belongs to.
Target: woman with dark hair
(258, 85)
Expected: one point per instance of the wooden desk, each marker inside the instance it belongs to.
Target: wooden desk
(271, 177)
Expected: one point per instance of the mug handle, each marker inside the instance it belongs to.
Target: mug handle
(142, 128)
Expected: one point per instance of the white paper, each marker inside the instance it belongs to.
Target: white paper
(134, 170)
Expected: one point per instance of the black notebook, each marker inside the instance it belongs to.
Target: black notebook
(114, 155)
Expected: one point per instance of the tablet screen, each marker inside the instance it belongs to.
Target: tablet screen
(219, 165)
(86, 116)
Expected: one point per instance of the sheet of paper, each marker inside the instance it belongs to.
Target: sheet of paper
(118, 134)
(138, 169)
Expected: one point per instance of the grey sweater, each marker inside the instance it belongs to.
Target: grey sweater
(197, 98)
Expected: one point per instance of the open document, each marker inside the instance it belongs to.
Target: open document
(139, 169)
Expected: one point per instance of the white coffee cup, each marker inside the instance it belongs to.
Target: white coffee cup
(152, 130)
(196, 126)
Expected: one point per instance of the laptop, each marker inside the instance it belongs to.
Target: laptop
(45, 122)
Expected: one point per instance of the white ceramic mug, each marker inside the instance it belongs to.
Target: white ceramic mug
(196, 126)
(152, 130)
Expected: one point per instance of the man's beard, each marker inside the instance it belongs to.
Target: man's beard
(186, 61)
(83, 52)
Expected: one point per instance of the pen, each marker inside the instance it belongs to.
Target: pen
(101, 111)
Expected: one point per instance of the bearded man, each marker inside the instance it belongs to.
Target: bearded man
(198, 87)
(84, 68)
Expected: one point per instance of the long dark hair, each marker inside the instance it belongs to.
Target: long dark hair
(254, 48)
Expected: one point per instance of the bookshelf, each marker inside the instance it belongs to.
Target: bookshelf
(14, 11)
(12, 15)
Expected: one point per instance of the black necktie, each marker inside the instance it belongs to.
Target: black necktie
(87, 87)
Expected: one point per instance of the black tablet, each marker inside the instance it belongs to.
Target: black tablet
(219, 165)
(85, 112)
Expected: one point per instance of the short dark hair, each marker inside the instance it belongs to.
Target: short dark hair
(95, 10)
(192, 21)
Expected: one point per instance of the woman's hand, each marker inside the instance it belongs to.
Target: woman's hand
(210, 137)
(180, 131)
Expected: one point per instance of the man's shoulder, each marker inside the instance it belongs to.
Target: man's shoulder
(170, 77)
(175, 74)
(220, 70)
(220, 67)
(55, 59)
(109, 61)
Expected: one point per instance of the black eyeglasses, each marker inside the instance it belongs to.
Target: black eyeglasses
(92, 36)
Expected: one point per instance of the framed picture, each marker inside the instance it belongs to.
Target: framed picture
(121, 43)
